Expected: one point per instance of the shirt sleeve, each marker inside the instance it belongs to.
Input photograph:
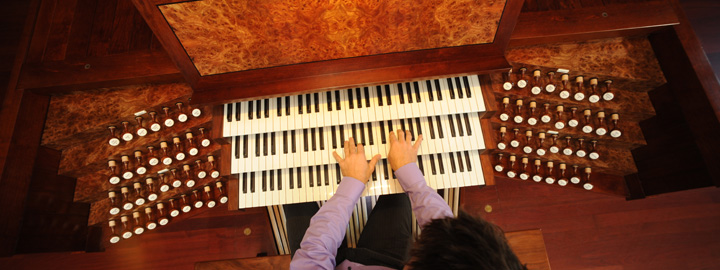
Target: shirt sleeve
(426, 202)
(327, 228)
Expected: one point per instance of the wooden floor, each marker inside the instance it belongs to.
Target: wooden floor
(582, 230)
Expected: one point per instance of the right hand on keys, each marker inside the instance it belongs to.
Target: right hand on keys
(402, 150)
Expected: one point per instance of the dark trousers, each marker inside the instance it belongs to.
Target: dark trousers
(384, 241)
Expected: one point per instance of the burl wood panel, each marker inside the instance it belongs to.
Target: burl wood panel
(528, 245)
(629, 58)
(227, 36)
(78, 117)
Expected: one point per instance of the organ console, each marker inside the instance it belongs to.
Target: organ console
(113, 140)
(169, 122)
(181, 116)
(127, 134)
(154, 124)
(150, 223)
(126, 232)
(140, 165)
(141, 130)
(114, 237)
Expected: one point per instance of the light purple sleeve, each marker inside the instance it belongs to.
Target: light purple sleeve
(426, 202)
(327, 228)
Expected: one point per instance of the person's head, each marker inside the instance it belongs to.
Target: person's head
(465, 242)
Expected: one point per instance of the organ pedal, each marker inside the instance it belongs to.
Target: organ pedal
(357, 221)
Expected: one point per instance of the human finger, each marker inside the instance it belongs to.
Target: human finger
(401, 136)
(353, 148)
(393, 138)
(374, 162)
(347, 148)
(361, 149)
(408, 136)
(337, 157)
(419, 140)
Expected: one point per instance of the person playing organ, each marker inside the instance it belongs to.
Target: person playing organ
(385, 242)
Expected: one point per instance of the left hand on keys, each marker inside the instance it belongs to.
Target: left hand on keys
(355, 164)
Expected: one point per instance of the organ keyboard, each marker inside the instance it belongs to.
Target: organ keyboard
(281, 148)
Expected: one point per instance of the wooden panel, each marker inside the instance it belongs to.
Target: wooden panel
(41, 31)
(102, 28)
(81, 29)
(618, 58)
(579, 24)
(527, 245)
(95, 72)
(222, 37)
(694, 86)
(60, 30)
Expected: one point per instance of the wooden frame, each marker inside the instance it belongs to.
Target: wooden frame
(384, 68)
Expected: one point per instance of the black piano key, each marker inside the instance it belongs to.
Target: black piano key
(328, 99)
(285, 142)
(274, 152)
(318, 174)
(300, 104)
(460, 162)
(351, 101)
(450, 88)
(278, 106)
(432, 127)
(385, 169)
(452, 163)
(367, 97)
(338, 175)
(459, 87)
(416, 85)
(342, 136)
(467, 161)
(265, 144)
(370, 134)
(334, 140)
(468, 129)
(428, 85)
(310, 177)
(359, 97)
(312, 137)
(287, 106)
(250, 110)
(267, 108)
(237, 147)
(264, 181)
(439, 126)
(459, 125)
(317, 102)
(402, 125)
(257, 145)
(387, 95)
(420, 164)
(382, 132)
(362, 134)
(438, 91)
(252, 182)
(408, 90)
(244, 183)
(337, 100)
(419, 127)
(327, 174)
(468, 93)
(432, 164)
(452, 125)
(305, 140)
(272, 180)
(379, 95)
(354, 132)
(298, 171)
(246, 138)
(280, 180)
(412, 128)
(374, 175)
(292, 180)
(238, 114)
(258, 109)
(229, 108)
(440, 163)
(292, 138)
(401, 93)
(308, 103)
(322, 138)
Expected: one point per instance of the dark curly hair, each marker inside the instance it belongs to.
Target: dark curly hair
(465, 242)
